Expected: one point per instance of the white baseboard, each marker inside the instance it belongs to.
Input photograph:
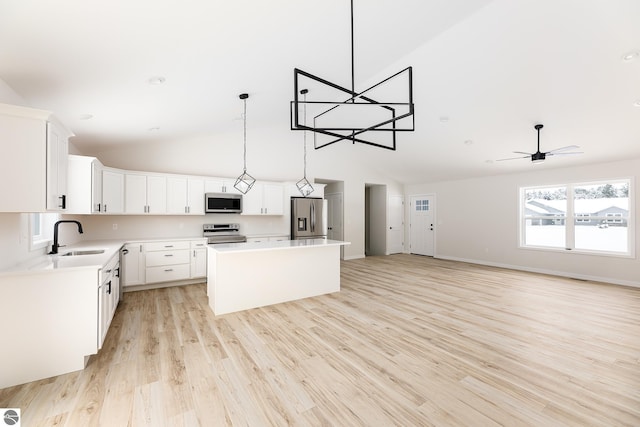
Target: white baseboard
(634, 284)
(347, 258)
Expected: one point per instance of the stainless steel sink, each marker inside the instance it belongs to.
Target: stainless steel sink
(84, 252)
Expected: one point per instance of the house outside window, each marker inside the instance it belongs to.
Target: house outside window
(583, 217)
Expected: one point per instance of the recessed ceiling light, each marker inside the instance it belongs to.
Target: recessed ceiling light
(468, 142)
(444, 119)
(631, 56)
(85, 116)
(637, 103)
(154, 129)
(157, 80)
(488, 161)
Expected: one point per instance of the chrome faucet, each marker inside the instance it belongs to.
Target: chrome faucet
(55, 246)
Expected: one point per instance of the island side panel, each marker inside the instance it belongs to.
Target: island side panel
(50, 323)
(250, 279)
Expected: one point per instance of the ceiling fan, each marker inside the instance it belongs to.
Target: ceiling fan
(538, 156)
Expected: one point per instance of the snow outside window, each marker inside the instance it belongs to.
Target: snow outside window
(582, 217)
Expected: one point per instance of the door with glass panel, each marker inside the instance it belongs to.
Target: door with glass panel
(422, 225)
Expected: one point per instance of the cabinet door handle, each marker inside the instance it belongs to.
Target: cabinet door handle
(109, 287)
(168, 254)
(63, 201)
(105, 207)
(169, 270)
(125, 251)
(168, 246)
(118, 272)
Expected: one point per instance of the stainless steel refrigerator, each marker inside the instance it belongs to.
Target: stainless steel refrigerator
(308, 218)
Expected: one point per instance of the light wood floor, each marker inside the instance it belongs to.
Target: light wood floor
(408, 341)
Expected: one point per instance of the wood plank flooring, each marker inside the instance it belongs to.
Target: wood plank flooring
(409, 341)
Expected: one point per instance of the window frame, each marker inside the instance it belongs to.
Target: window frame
(571, 218)
(41, 229)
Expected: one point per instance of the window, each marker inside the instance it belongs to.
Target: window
(422, 205)
(584, 217)
(41, 229)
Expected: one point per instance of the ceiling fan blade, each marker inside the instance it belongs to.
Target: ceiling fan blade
(515, 158)
(568, 147)
(522, 152)
(564, 154)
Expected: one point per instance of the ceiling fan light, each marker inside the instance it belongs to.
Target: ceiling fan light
(538, 157)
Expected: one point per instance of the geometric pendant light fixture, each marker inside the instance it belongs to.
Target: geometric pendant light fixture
(245, 181)
(304, 186)
(372, 116)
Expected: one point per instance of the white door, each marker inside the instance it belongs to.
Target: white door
(422, 224)
(334, 216)
(396, 224)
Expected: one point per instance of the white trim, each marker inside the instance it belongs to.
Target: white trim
(631, 283)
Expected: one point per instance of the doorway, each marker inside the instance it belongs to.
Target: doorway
(375, 219)
(422, 224)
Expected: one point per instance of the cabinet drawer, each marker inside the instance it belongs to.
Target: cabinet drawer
(168, 273)
(196, 244)
(164, 246)
(160, 258)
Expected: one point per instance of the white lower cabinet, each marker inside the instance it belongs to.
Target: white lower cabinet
(146, 263)
(198, 259)
(108, 296)
(133, 268)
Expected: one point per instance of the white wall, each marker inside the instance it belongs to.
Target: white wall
(477, 221)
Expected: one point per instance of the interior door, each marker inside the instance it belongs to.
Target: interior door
(422, 225)
(396, 224)
(334, 216)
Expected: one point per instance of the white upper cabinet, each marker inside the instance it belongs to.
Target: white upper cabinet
(185, 195)
(112, 191)
(57, 167)
(84, 185)
(145, 194)
(264, 198)
(33, 166)
(220, 185)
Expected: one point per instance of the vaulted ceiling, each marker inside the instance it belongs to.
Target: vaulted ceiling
(485, 72)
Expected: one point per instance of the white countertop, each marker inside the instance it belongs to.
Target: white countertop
(275, 245)
(57, 262)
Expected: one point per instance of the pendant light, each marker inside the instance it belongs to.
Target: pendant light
(304, 186)
(245, 181)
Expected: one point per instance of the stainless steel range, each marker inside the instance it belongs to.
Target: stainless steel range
(222, 233)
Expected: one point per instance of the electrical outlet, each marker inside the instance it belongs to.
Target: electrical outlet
(115, 226)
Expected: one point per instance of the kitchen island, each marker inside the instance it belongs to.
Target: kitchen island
(241, 276)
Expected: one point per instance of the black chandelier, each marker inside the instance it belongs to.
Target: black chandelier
(341, 113)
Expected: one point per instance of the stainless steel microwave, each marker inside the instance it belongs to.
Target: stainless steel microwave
(222, 203)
